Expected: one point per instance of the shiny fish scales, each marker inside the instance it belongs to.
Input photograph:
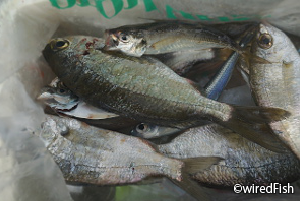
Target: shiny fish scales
(244, 162)
(91, 155)
(145, 89)
(278, 84)
(166, 37)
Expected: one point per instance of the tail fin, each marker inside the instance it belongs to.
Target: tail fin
(259, 114)
(250, 122)
(191, 166)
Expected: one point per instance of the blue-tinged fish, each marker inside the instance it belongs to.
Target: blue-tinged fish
(216, 85)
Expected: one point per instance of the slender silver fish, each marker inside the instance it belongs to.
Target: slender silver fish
(86, 154)
(278, 84)
(245, 163)
(216, 85)
(147, 90)
(149, 131)
(166, 37)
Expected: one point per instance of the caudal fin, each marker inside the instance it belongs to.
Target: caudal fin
(251, 123)
(259, 115)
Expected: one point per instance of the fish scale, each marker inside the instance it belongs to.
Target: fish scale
(244, 162)
(166, 37)
(175, 103)
(277, 84)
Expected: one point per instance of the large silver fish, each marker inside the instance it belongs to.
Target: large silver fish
(86, 154)
(244, 162)
(147, 90)
(278, 84)
(166, 37)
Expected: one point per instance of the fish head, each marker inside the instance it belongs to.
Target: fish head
(130, 43)
(145, 130)
(55, 127)
(59, 97)
(60, 50)
(51, 130)
(271, 43)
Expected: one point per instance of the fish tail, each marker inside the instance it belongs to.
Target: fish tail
(194, 165)
(259, 114)
(251, 123)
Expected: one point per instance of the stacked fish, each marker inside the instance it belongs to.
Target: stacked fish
(139, 76)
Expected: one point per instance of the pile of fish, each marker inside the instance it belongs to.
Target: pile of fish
(142, 103)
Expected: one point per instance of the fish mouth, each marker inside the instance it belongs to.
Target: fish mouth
(111, 42)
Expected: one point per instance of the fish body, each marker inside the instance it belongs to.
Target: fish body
(182, 62)
(145, 89)
(166, 37)
(278, 84)
(244, 162)
(87, 154)
(90, 155)
(216, 85)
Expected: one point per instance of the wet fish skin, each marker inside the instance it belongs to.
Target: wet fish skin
(216, 85)
(86, 154)
(278, 84)
(90, 155)
(166, 37)
(149, 131)
(212, 90)
(244, 162)
(145, 89)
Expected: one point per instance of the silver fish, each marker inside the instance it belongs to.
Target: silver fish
(244, 162)
(278, 84)
(146, 90)
(64, 101)
(58, 96)
(149, 131)
(216, 85)
(86, 154)
(166, 37)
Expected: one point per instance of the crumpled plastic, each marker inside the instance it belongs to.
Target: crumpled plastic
(27, 171)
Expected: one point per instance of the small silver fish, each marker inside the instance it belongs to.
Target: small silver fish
(148, 131)
(244, 162)
(278, 84)
(166, 37)
(86, 154)
(216, 85)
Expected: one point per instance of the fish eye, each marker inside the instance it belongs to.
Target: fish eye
(144, 42)
(142, 128)
(59, 44)
(61, 90)
(64, 130)
(265, 41)
(124, 38)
